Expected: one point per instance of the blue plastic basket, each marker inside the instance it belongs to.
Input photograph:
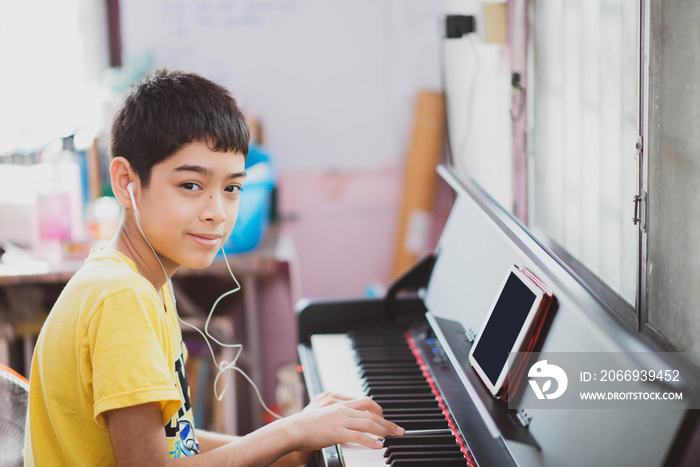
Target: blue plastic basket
(255, 204)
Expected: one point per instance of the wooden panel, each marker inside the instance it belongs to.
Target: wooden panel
(419, 181)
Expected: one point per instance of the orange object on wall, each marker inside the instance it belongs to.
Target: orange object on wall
(420, 177)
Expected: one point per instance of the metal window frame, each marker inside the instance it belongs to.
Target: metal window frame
(636, 315)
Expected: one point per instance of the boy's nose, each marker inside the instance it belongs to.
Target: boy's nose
(214, 210)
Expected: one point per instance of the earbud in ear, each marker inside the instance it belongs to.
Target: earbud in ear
(130, 189)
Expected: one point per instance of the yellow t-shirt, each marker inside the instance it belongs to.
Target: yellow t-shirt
(107, 344)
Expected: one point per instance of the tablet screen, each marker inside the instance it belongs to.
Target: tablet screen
(503, 327)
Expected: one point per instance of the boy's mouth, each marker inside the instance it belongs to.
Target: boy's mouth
(206, 240)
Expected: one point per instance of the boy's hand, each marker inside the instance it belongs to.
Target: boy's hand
(333, 419)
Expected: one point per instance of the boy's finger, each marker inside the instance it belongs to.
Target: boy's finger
(372, 423)
(366, 404)
(342, 397)
(377, 427)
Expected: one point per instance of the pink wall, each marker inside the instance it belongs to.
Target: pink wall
(344, 226)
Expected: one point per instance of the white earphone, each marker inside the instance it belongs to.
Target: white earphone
(130, 189)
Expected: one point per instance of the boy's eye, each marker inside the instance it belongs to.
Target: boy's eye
(235, 189)
(190, 186)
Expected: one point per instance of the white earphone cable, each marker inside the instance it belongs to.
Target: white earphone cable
(224, 365)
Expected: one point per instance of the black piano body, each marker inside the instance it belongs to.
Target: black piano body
(455, 288)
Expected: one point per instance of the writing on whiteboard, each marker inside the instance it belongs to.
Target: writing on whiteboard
(184, 17)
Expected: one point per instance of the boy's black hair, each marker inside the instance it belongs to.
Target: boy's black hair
(169, 109)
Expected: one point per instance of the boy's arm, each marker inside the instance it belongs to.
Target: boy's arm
(209, 440)
(138, 437)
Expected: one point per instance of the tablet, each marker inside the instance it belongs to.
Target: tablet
(505, 328)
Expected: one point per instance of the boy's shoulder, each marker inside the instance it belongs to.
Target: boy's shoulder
(105, 277)
(111, 267)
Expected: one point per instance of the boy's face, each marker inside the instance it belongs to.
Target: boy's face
(190, 206)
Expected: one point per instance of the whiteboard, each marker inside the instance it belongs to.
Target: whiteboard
(334, 82)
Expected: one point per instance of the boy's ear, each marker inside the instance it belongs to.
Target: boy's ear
(121, 174)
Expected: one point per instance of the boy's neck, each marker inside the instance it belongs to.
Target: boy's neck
(131, 243)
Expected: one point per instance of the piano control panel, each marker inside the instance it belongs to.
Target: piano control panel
(436, 353)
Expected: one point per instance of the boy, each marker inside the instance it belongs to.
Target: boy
(107, 381)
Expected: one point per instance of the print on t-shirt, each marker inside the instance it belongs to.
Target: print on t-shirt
(180, 431)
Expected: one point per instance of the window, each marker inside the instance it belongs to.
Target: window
(584, 111)
(52, 54)
(606, 76)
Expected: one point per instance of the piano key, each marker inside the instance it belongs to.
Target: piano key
(401, 403)
(408, 397)
(403, 396)
(401, 355)
(414, 410)
(394, 379)
(441, 431)
(391, 351)
(453, 448)
(371, 374)
(408, 416)
(391, 389)
(369, 371)
(430, 423)
(420, 439)
(370, 353)
(371, 383)
(413, 414)
(335, 362)
(454, 462)
(354, 455)
(422, 424)
(404, 354)
(402, 419)
(377, 361)
(389, 365)
(427, 454)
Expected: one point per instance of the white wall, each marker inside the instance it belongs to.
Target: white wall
(333, 81)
